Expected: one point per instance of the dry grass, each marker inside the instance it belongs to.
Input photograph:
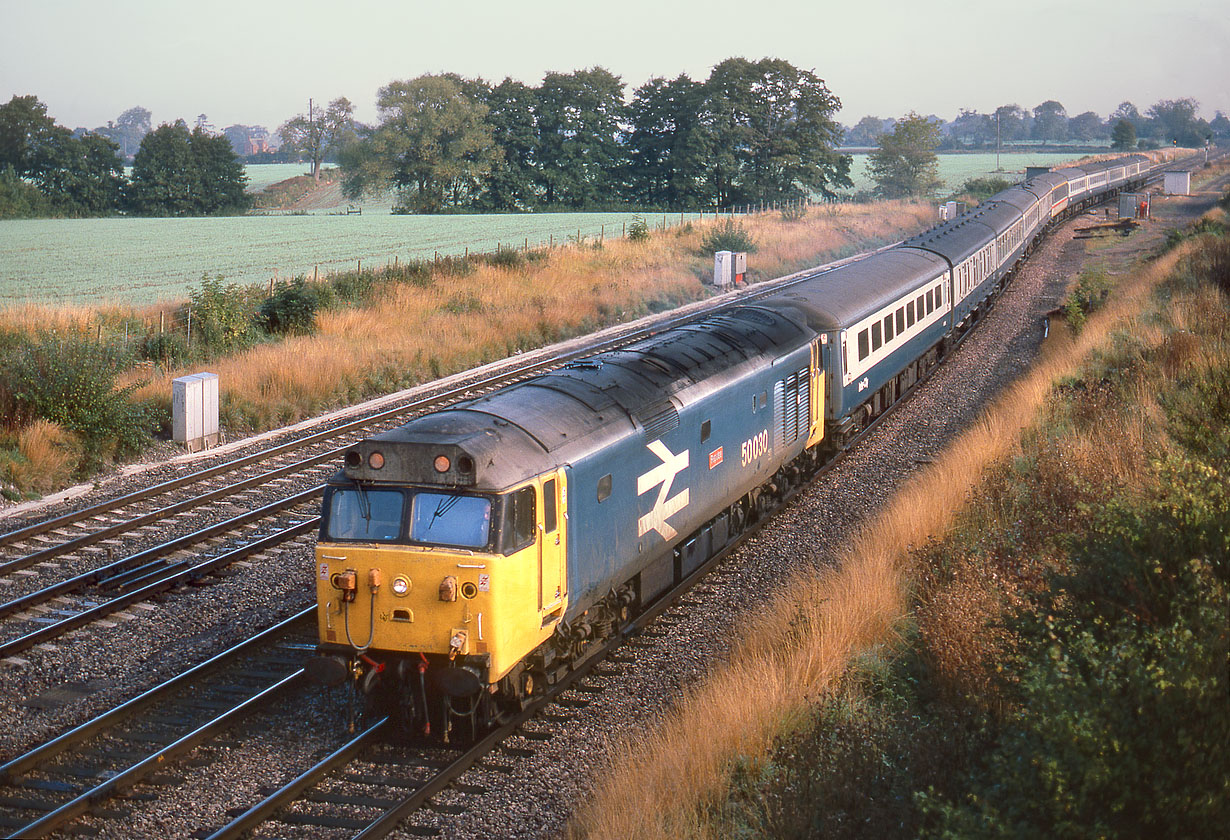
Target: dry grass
(45, 458)
(418, 333)
(665, 781)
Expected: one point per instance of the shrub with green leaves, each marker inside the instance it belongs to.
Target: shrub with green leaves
(223, 316)
(727, 235)
(638, 229)
(291, 310)
(70, 380)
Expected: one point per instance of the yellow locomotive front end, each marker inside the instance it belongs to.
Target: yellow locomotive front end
(432, 598)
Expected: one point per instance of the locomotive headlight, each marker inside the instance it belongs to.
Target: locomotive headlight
(400, 585)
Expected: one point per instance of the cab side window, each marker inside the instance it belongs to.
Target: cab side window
(519, 520)
(548, 506)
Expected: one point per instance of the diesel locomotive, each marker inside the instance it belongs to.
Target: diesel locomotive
(470, 557)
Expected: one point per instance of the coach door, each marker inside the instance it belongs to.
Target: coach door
(552, 554)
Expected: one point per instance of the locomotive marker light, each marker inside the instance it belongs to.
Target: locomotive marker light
(442, 463)
(375, 460)
(401, 586)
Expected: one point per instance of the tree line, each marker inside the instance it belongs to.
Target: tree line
(753, 131)
(1167, 122)
(48, 170)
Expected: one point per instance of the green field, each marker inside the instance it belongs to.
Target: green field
(141, 260)
(145, 260)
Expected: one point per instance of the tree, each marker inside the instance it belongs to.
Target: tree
(665, 166)
(1123, 137)
(84, 175)
(1050, 121)
(433, 145)
(221, 173)
(177, 173)
(510, 114)
(866, 132)
(1220, 126)
(1127, 111)
(769, 134)
(1011, 122)
(971, 128)
(128, 130)
(320, 132)
(1176, 120)
(579, 117)
(1086, 126)
(905, 164)
(26, 134)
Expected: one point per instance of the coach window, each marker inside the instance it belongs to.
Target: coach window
(876, 336)
(930, 301)
(888, 328)
(900, 320)
(909, 314)
(705, 429)
(604, 487)
(864, 345)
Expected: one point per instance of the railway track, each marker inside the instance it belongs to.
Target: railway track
(82, 770)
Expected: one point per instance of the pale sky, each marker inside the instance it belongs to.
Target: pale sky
(258, 62)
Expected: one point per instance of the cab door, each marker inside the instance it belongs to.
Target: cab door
(552, 553)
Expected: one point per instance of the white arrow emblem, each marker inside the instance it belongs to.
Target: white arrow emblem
(663, 474)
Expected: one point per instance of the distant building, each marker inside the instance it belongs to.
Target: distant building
(248, 139)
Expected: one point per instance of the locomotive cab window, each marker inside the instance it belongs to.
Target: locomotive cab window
(450, 519)
(365, 515)
(519, 521)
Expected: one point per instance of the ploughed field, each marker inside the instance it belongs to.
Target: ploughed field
(142, 260)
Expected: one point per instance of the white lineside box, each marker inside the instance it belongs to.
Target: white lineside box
(1177, 183)
(194, 411)
(723, 269)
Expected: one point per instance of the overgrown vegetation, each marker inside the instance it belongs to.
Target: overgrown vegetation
(59, 396)
(1066, 671)
(727, 235)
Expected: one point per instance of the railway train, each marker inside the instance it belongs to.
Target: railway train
(471, 557)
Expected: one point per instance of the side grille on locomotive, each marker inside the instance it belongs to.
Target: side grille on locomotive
(657, 419)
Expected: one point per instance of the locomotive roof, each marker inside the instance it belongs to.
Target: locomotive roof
(846, 295)
(497, 441)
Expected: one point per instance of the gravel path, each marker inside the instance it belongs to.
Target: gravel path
(104, 666)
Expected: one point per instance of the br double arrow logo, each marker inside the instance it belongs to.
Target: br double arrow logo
(666, 505)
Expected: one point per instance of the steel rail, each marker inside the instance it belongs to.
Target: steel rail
(195, 572)
(112, 569)
(50, 749)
